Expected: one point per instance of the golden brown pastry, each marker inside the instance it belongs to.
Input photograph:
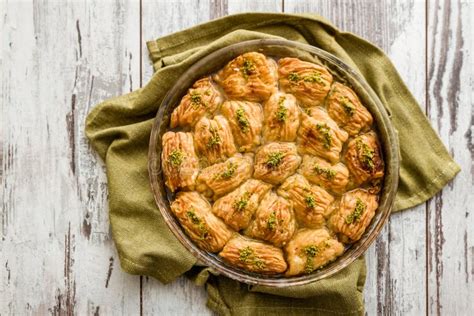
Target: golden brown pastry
(310, 202)
(238, 207)
(220, 178)
(310, 250)
(202, 99)
(213, 139)
(320, 172)
(319, 135)
(274, 162)
(254, 256)
(250, 77)
(274, 220)
(281, 118)
(363, 158)
(245, 120)
(195, 216)
(345, 108)
(308, 82)
(179, 160)
(353, 214)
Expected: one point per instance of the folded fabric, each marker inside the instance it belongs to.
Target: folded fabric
(119, 131)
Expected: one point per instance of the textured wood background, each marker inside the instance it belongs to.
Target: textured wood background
(59, 59)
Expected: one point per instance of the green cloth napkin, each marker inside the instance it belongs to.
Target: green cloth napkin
(119, 130)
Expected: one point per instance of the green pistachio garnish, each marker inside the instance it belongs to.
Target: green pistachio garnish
(241, 204)
(314, 77)
(198, 223)
(247, 68)
(242, 120)
(229, 172)
(271, 222)
(324, 130)
(310, 201)
(366, 154)
(293, 77)
(215, 139)
(247, 255)
(327, 172)
(357, 213)
(176, 158)
(274, 159)
(312, 251)
(347, 105)
(282, 112)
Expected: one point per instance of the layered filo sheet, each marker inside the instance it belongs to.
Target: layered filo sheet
(273, 164)
(249, 77)
(254, 256)
(353, 214)
(319, 135)
(202, 99)
(214, 140)
(321, 172)
(282, 120)
(179, 160)
(245, 120)
(345, 108)
(274, 220)
(194, 214)
(311, 249)
(308, 82)
(220, 178)
(311, 203)
(364, 159)
(238, 207)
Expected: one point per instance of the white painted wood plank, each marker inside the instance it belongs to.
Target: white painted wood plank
(396, 262)
(451, 109)
(160, 18)
(58, 60)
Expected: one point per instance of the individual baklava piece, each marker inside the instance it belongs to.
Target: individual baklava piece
(274, 162)
(238, 207)
(319, 135)
(220, 178)
(345, 108)
(281, 118)
(353, 214)
(213, 139)
(250, 77)
(363, 158)
(319, 171)
(194, 214)
(308, 82)
(311, 203)
(179, 160)
(202, 99)
(274, 220)
(254, 256)
(245, 120)
(310, 250)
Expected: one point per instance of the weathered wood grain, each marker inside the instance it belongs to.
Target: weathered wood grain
(451, 110)
(58, 60)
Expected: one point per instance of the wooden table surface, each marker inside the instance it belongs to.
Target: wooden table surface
(58, 60)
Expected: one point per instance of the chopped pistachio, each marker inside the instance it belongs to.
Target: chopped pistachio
(215, 138)
(176, 158)
(274, 159)
(198, 222)
(282, 112)
(327, 172)
(241, 204)
(247, 255)
(293, 77)
(357, 213)
(271, 222)
(348, 106)
(314, 77)
(310, 201)
(242, 120)
(366, 154)
(229, 172)
(324, 130)
(247, 68)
